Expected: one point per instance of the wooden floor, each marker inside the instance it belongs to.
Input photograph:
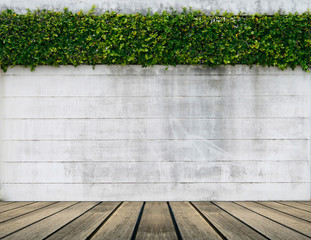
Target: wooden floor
(155, 220)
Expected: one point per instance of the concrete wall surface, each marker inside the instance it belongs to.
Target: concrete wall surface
(132, 133)
(132, 6)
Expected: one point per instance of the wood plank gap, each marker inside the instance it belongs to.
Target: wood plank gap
(302, 209)
(209, 222)
(138, 222)
(273, 220)
(103, 222)
(174, 222)
(71, 221)
(306, 203)
(241, 221)
(38, 221)
(28, 212)
(17, 207)
(283, 211)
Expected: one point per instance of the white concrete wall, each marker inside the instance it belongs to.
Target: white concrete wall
(132, 133)
(130, 6)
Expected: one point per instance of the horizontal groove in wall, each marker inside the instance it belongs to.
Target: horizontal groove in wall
(165, 161)
(158, 183)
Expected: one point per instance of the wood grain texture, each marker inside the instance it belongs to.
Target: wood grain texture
(298, 205)
(229, 226)
(267, 227)
(121, 224)
(23, 210)
(289, 210)
(83, 226)
(5, 208)
(190, 223)
(46, 226)
(5, 203)
(279, 217)
(18, 223)
(156, 222)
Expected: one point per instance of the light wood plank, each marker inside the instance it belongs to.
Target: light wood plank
(289, 210)
(83, 226)
(49, 225)
(229, 226)
(299, 205)
(190, 222)
(16, 224)
(285, 219)
(14, 205)
(121, 224)
(306, 202)
(23, 210)
(265, 226)
(156, 222)
(5, 203)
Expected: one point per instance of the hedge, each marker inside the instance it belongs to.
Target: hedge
(55, 38)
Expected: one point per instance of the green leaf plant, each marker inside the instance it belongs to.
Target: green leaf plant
(46, 37)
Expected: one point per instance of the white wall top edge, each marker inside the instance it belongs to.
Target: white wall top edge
(154, 70)
(127, 6)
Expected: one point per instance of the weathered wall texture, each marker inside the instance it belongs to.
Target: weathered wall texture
(130, 6)
(128, 133)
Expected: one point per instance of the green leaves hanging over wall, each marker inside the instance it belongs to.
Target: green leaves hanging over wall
(170, 38)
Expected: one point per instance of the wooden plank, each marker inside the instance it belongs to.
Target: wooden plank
(18, 223)
(23, 210)
(14, 205)
(285, 219)
(156, 222)
(305, 202)
(229, 226)
(289, 210)
(83, 226)
(265, 226)
(190, 222)
(109, 172)
(121, 224)
(49, 225)
(5, 203)
(298, 205)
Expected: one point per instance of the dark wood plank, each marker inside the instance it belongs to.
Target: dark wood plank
(18, 223)
(229, 226)
(156, 222)
(121, 224)
(5, 208)
(191, 224)
(298, 205)
(265, 226)
(289, 210)
(49, 225)
(22, 210)
(297, 224)
(83, 226)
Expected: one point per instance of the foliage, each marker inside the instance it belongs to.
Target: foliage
(169, 38)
